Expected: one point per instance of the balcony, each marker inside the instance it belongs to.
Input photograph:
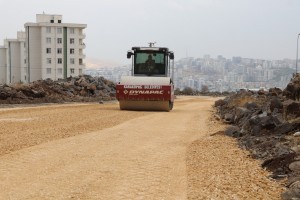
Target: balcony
(82, 36)
(81, 55)
(82, 46)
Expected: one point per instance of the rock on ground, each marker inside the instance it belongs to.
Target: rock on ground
(73, 89)
(267, 124)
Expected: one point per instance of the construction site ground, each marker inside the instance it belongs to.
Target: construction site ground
(96, 151)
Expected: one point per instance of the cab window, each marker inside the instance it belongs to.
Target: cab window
(149, 63)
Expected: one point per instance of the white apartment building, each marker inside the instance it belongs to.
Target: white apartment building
(13, 60)
(54, 49)
(47, 49)
(3, 73)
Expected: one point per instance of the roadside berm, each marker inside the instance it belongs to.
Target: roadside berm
(73, 89)
(267, 123)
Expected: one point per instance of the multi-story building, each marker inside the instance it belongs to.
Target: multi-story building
(54, 49)
(13, 60)
(47, 49)
(3, 66)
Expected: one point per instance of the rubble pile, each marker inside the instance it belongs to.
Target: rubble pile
(267, 123)
(73, 89)
(192, 92)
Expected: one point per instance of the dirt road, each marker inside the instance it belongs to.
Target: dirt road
(93, 151)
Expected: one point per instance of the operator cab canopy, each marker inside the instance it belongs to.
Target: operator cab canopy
(150, 61)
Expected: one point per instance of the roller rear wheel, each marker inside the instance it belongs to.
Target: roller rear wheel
(146, 105)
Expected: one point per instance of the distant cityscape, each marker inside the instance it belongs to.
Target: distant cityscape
(218, 74)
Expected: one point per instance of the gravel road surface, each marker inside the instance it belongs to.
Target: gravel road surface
(96, 151)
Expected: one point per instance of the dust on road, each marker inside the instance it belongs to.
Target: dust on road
(94, 151)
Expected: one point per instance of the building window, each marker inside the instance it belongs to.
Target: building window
(59, 50)
(48, 50)
(48, 60)
(24, 61)
(72, 30)
(72, 70)
(72, 41)
(80, 61)
(59, 40)
(72, 60)
(59, 21)
(52, 21)
(48, 70)
(80, 71)
(59, 30)
(48, 40)
(48, 29)
(59, 60)
(59, 70)
(72, 51)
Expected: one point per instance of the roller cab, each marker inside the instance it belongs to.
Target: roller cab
(150, 86)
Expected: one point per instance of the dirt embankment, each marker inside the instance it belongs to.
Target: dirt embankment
(267, 123)
(73, 89)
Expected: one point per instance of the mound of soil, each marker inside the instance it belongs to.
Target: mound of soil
(267, 123)
(73, 89)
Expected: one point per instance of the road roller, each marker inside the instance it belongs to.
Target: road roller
(150, 86)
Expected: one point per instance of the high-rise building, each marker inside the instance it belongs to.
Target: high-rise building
(54, 49)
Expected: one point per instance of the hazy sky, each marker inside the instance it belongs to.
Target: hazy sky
(265, 29)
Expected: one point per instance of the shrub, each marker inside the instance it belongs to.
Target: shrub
(188, 91)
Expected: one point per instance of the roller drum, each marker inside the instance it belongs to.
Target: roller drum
(145, 105)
